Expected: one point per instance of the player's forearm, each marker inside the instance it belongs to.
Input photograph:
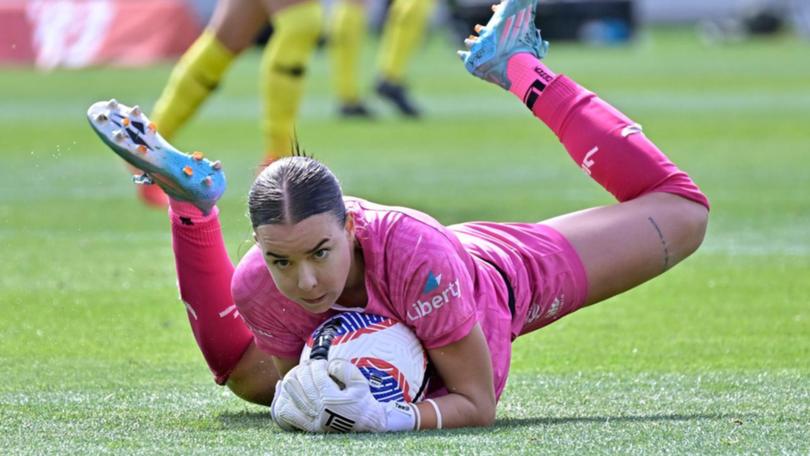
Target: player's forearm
(465, 368)
(456, 411)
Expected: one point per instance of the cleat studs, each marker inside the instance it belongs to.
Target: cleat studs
(188, 171)
(152, 127)
(125, 121)
(217, 165)
(112, 104)
(207, 181)
(141, 148)
(135, 111)
(197, 155)
(118, 136)
(101, 118)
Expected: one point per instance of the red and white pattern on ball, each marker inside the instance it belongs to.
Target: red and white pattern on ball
(361, 331)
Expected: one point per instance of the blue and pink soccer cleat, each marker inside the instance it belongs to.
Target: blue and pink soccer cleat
(509, 31)
(131, 135)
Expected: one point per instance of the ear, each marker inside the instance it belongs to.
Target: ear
(255, 238)
(349, 225)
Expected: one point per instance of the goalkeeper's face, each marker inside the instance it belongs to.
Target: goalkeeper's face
(309, 260)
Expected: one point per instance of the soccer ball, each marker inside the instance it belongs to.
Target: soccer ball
(386, 351)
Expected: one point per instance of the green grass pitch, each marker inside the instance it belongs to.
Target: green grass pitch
(714, 357)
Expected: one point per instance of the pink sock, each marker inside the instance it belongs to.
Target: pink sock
(188, 214)
(204, 272)
(606, 144)
(528, 76)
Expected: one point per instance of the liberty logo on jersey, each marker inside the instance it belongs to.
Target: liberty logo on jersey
(422, 308)
(432, 283)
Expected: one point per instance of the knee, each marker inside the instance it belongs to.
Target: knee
(295, 33)
(235, 41)
(236, 31)
(299, 25)
(694, 219)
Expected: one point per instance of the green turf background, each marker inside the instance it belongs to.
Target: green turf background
(95, 351)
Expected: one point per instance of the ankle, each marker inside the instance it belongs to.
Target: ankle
(189, 214)
(527, 74)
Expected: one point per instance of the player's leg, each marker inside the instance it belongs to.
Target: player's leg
(296, 27)
(403, 32)
(232, 29)
(626, 244)
(345, 45)
(662, 214)
(204, 270)
(204, 273)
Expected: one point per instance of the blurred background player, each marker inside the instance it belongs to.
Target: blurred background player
(233, 28)
(402, 33)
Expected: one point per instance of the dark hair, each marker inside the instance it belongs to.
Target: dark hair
(292, 189)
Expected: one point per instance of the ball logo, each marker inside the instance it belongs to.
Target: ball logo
(385, 381)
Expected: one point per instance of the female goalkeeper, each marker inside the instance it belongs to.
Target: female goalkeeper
(466, 290)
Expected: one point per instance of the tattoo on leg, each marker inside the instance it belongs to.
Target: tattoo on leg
(663, 242)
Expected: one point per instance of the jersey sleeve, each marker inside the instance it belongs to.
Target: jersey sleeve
(432, 287)
(273, 337)
(254, 298)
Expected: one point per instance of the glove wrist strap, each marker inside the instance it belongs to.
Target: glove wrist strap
(400, 417)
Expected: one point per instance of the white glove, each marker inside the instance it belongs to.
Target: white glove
(297, 404)
(349, 406)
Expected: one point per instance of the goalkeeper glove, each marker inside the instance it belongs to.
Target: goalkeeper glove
(296, 402)
(349, 406)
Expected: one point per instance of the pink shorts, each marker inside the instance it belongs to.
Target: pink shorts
(557, 281)
(544, 271)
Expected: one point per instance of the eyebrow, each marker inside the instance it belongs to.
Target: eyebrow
(312, 250)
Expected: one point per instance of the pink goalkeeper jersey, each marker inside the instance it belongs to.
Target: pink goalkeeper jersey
(431, 277)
